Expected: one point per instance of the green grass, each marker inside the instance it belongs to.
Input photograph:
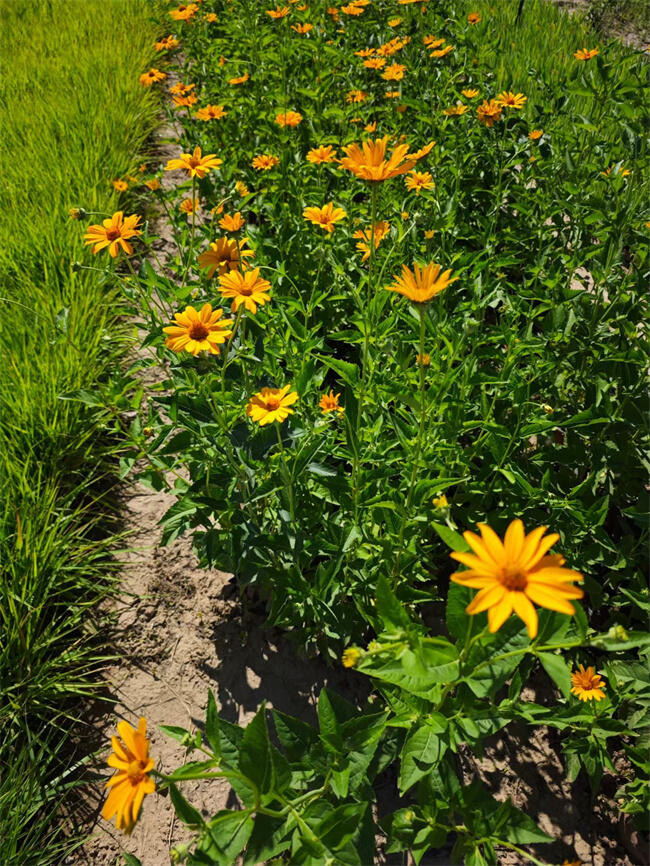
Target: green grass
(74, 117)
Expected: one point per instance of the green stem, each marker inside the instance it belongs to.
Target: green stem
(289, 476)
(191, 249)
(226, 357)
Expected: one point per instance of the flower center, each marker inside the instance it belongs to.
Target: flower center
(272, 403)
(112, 234)
(513, 578)
(193, 161)
(198, 331)
(134, 771)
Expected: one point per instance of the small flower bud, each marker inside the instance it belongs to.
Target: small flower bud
(78, 213)
(548, 409)
(351, 657)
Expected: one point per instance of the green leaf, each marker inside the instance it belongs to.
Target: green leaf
(556, 668)
(452, 539)
(131, 859)
(329, 726)
(212, 725)
(255, 760)
(390, 610)
(176, 733)
(348, 372)
(229, 833)
(458, 621)
(184, 810)
(422, 749)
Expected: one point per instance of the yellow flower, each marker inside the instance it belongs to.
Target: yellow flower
(455, 110)
(211, 17)
(586, 53)
(418, 180)
(394, 22)
(241, 188)
(74, 213)
(271, 404)
(369, 161)
(166, 44)
(535, 134)
(352, 9)
(302, 28)
(381, 230)
(432, 42)
(246, 288)
(392, 94)
(587, 684)
(184, 12)
(225, 254)
(508, 99)
(131, 782)
(279, 12)
(325, 216)
(288, 118)
(489, 112)
(421, 284)
(322, 153)
(365, 52)
(440, 501)
(181, 89)
(375, 62)
(442, 52)
(474, 17)
(185, 101)
(198, 331)
(152, 77)
(265, 162)
(241, 79)
(423, 360)
(153, 183)
(120, 185)
(429, 233)
(422, 152)
(211, 112)
(356, 96)
(404, 214)
(194, 164)
(113, 233)
(394, 72)
(188, 206)
(620, 170)
(232, 223)
(350, 657)
(330, 403)
(514, 573)
(470, 92)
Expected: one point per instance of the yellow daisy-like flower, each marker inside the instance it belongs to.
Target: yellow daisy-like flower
(271, 404)
(197, 331)
(211, 112)
(288, 118)
(265, 162)
(432, 42)
(418, 180)
(188, 206)
(246, 288)
(166, 44)
(350, 657)
(152, 77)
(394, 72)
(470, 92)
(184, 12)
(153, 183)
(513, 573)
(279, 12)
(381, 230)
(113, 233)
(394, 22)
(325, 216)
(232, 223)
(354, 96)
(489, 112)
(185, 101)
(322, 153)
(365, 52)
(508, 99)
(474, 17)
(352, 9)
(586, 53)
(302, 28)
(240, 79)
(131, 782)
(330, 403)
(211, 17)
(442, 52)
(455, 110)
(120, 185)
(195, 164)
(225, 254)
(440, 501)
(535, 134)
(241, 188)
(375, 62)
(369, 161)
(587, 684)
(421, 284)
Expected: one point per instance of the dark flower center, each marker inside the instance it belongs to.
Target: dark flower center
(512, 578)
(198, 331)
(134, 772)
(112, 234)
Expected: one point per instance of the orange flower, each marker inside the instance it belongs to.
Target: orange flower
(322, 153)
(586, 53)
(211, 112)
(153, 183)
(394, 72)
(184, 12)
(474, 17)
(381, 229)
(508, 99)
(120, 185)
(271, 404)
(197, 331)
(246, 288)
(455, 110)
(417, 180)
(188, 206)
(242, 79)
(432, 42)
(442, 52)
(166, 44)
(535, 134)
(288, 118)
(330, 403)
(194, 164)
(223, 255)
(587, 684)
(370, 127)
(422, 152)
(375, 62)
(185, 101)
(279, 12)
(232, 223)
(352, 9)
(369, 161)
(265, 162)
(131, 782)
(489, 112)
(470, 92)
(421, 284)
(325, 216)
(152, 77)
(302, 28)
(113, 233)
(182, 89)
(211, 17)
(356, 96)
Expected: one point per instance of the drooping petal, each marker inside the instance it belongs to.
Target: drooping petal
(498, 614)
(525, 611)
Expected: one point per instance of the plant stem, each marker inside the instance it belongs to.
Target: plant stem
(289, 476)
(191, 249)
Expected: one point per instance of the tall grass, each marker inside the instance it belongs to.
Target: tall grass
(73, 117)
